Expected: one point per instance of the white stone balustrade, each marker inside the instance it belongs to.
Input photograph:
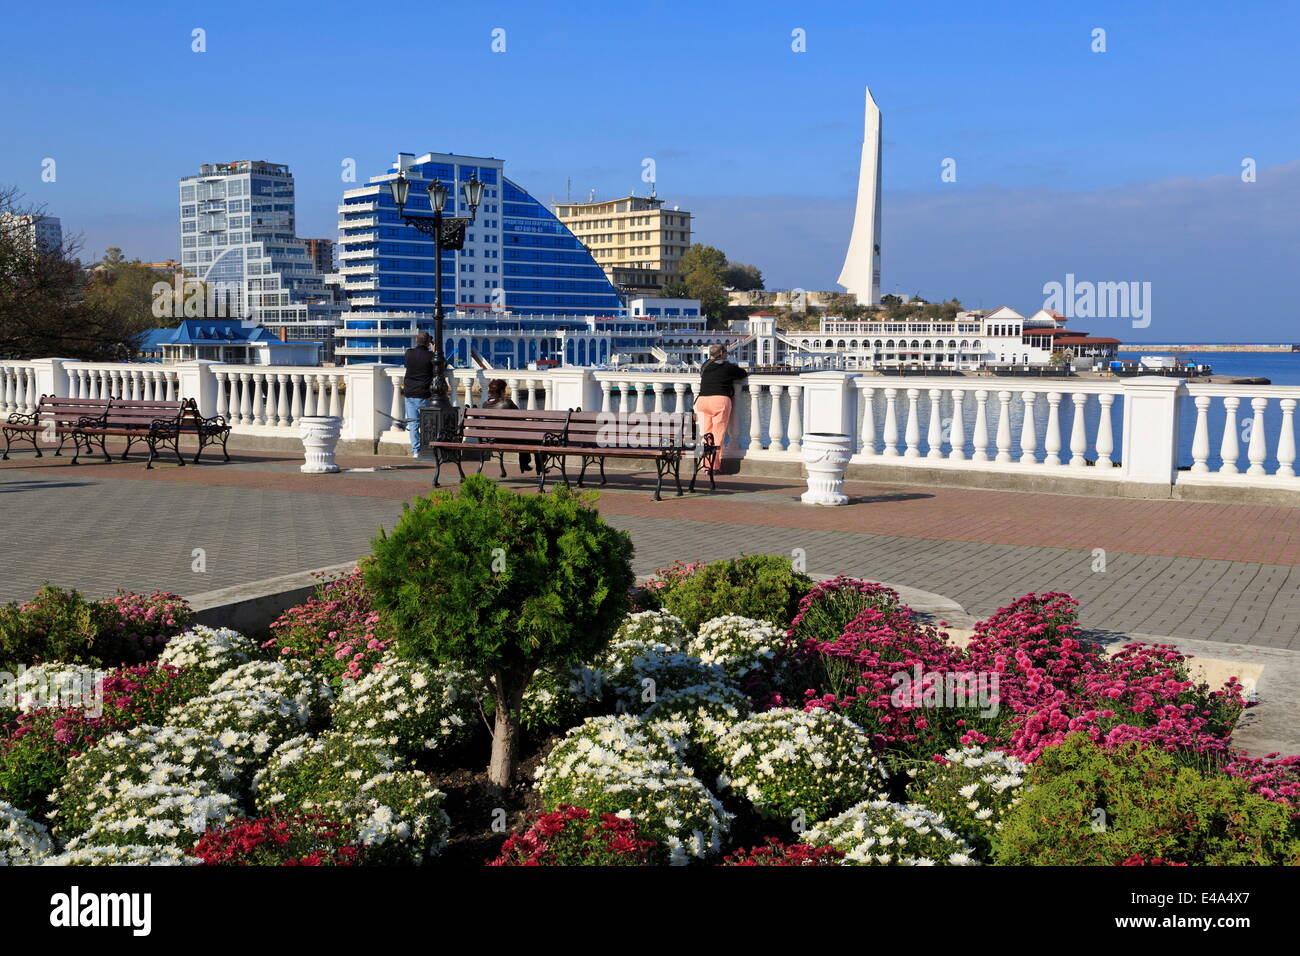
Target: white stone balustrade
(1130, 430)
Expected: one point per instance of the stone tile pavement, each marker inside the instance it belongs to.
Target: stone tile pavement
(1188, 569)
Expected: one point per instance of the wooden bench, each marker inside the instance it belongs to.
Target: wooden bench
(91, 420)
(152, 422)
(552, 437)
(53, 417)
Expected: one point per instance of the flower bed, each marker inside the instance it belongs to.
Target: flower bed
(848, 732)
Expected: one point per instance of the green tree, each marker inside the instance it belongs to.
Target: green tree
(743, 277)
(44, 309)
(504, 584)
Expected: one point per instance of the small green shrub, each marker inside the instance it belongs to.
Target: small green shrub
(762, 586)
(1085, 805)
(55, 625)
(503, 584)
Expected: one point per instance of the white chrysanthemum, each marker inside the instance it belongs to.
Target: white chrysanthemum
(158, 814)
(23, 841)
(623, 766)
(632, 675)
(54, 684)
(739, 645)
(657, 627)
(211, 649)
(973, 789)
(179, 756)
(916, 836)
(409, 705)
(794, 764)
(156, 855)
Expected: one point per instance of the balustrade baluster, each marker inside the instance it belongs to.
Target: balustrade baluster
(1004, 426)
(796, 419)
(912, 433)
(1257, 450)
(1079, 431)
(1229, 450)
(776, 419)
(891, 423)
(1286, 440)
(1201, 439)
(934, 433)
(957, 433)
(1052, 440)
(1105, 433)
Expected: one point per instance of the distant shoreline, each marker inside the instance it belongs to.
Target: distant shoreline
(1257, 347)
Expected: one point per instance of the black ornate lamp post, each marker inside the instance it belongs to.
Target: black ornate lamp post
(448, 232)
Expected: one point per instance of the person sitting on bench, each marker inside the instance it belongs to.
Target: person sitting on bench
(497, 398)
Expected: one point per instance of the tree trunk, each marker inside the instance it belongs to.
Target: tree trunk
(508, 691)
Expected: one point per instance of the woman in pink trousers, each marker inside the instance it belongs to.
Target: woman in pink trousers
(714, 399)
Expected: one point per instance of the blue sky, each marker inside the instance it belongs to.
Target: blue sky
(1115, 166)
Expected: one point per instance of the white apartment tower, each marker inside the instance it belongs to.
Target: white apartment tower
(238, 235)
(42, 232)
(861, 272)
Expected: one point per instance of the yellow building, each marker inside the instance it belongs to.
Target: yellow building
(637, 242)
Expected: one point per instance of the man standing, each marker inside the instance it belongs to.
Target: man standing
(417, 386)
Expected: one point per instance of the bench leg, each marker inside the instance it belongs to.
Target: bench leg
(660, 465)
(677, 473)
(103, 447)
(437, 466)
(224, 438)
(541, 472)
(582, 472)
(459, 470)
(202, 442)
(501, 462)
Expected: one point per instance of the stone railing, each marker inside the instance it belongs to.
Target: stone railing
(1147, 431)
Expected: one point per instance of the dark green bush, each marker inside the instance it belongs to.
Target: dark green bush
(761, 586)
(55, 625)
(1088, 805)
(504, 584)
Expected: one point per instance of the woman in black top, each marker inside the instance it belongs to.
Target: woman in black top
(497, 398)
(718, 379)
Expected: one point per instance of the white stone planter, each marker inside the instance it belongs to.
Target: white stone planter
(826, 457)
(320, 436)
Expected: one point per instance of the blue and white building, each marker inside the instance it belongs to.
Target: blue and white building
(524, 290)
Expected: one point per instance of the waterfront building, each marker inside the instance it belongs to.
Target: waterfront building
(40, 232)
(518, 256)
(969, 340)
(238, 236)
(488, 338)
(231, 341)
(637, 242)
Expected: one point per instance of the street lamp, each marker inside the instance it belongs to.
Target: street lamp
(448, 232)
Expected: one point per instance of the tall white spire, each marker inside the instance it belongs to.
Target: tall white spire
(861, 272)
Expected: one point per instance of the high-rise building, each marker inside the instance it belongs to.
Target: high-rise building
(637, 242)
(43, 232)
(861, 272)
(237, 235)
(321, 252)
(518, 256)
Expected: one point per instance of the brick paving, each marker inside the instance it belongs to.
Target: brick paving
(1188, 569)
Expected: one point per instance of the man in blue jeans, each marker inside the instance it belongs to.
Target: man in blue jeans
(417, 386)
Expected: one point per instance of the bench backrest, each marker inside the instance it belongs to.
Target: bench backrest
(51, 408)
(644, 430)
(510, 424)
(143, 413)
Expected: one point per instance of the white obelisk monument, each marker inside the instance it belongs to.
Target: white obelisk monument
(861, 272)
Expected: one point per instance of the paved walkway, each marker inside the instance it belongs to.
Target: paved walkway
(1188, 569)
